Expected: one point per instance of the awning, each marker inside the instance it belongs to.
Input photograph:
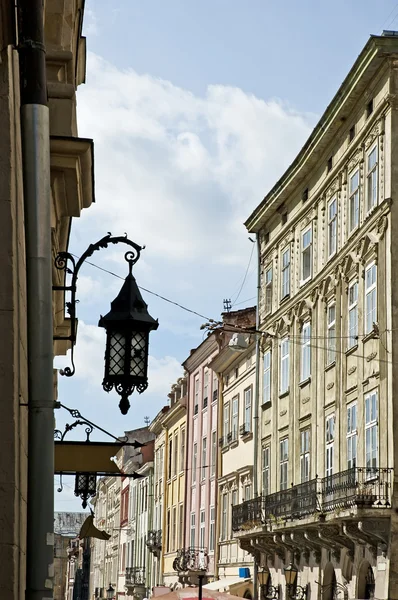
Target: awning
(223, 585)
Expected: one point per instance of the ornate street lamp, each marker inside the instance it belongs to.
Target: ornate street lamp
(110, 592)
(294, 591)
(127, 324)
(85, 486)
(268, 591)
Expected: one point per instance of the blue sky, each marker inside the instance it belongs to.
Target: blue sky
(196, 108)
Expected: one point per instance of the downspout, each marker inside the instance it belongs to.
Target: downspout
(220, 404)
(256, 406)
(165, 496)
(35, 135)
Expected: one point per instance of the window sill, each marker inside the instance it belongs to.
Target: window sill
(283, 394)
(369, 336)
(247, 436)
(284, 299)
(351, 350)
(304, 281)
(305, 382)
(330, 366)
(266, 405)
(234, 444)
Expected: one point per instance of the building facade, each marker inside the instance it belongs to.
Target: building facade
(71, 191)
(66, 528)
(326, 235)
(235, 366)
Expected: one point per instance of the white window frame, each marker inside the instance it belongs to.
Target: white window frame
(306, 351)
(267, 376)
(307, 249)
(235, 418)
(352, 435)
(194, 461)
(192, 530)
(212, 533)
(205, 386)
(371, 433)
(213, 453)
(283, 463)
(330, 423)
(353, 314)
(372, 179)
(224, 517)
(247, 395)
(331, 333)
(332, 226)
(196, 396)
(268, 277)
(266, 451)
(202, 530)
(204, 458)
(370, 298)
(226, 421)
(284, 365)
(353, 201)
(305, 457)
(285, 272)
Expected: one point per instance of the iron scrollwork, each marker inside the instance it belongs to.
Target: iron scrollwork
(62, 262)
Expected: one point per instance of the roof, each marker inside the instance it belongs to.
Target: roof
(351, 90)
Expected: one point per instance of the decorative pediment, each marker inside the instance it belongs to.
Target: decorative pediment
(374, 133)
(355, 159)
(333, 188)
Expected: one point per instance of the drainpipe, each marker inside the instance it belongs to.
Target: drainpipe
(220, 404)
(256, 407)
(165, 496)
(36, 179)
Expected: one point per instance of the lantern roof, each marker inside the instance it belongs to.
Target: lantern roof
(129, 306)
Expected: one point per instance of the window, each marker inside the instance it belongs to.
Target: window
(331, 340)
(202, 529)
(180, 525)
(285, 283)
(234, 497)
(370, 297)
(248, 410)
(329, 445)
(212, 535)
(329, 164)
(168, 531)
(194, 462)
(267, 377)
(224, 517)
(351, 436)
(306, 351)
(353, 314)
(175, 466)
(304, 195)
(353, 216)
(304, 455)
(351, 133)
(169, 467)
(265, 469)
(204, 458)
(332, 227)
(213, 453)
(215, 388)
(371, 431)
(174, 526)
(226, 422)
(284, 366)
(268, 290)
(372, 177)
(235, 417)
(369, 108)
(196, 407)
(192, 533)
(283, 463)
(205, 388)
(182, 451)
(306, 254)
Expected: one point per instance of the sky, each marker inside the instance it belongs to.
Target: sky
(196, 109)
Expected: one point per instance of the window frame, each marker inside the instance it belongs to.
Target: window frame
(284, 358)
(212, 529)
(305, 455)
(213, 453)
(235, 417)
(283, 463)
(265, 470)
(331, 339)
(370, 292)
(194, 462)
(371, 425)
(226, 420)
(305, 363)
(192, 529)
(354, 194)
(352, 308)
(248, 407)
(285, 272)
(204, 458)
(332, 226)
(268, 285)
(267, 374)
(224, 517)
(309, 247)
(352, 434)
(330, 426)
(202, 529)
(369, 177)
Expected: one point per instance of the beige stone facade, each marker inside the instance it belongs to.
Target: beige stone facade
(72, 190)
(327, 234)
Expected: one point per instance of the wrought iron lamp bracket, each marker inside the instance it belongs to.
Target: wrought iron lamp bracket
(62, 262)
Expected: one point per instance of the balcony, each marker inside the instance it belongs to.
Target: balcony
(191, 560)
(135, 577)
(348, 504)
(245, 429)
(154, 541)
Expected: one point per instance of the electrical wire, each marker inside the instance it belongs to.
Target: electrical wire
(194, 312)
(392, 21)
(244, 279)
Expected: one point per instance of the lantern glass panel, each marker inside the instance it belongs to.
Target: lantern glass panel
(117, 350)
(138, 358)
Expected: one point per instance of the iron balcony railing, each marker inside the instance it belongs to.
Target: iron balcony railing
(360, 486)
(154, 541)
(135, 576)
(191, 559)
